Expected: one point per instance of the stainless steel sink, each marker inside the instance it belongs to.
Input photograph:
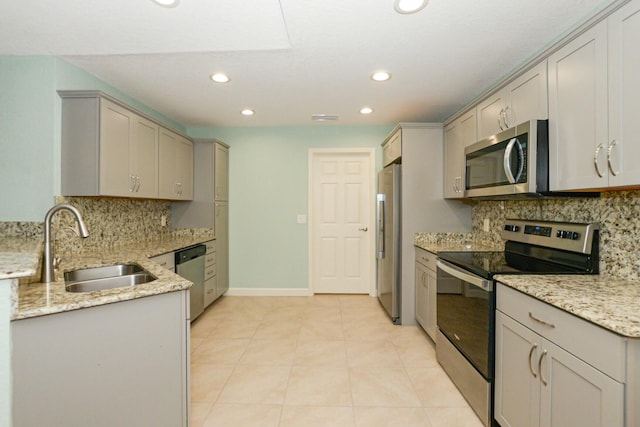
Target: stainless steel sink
(109, 277)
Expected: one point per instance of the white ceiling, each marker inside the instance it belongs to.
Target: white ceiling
(289, 59)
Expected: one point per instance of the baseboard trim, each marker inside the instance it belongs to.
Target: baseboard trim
(269, 292)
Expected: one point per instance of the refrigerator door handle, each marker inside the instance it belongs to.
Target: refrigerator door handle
(380, 198)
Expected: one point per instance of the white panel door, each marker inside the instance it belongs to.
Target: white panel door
(342, 197)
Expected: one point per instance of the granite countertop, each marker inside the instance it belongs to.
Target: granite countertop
(20, 258)
(443, 242)
(611, 303)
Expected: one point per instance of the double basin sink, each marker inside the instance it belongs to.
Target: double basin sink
(108, 277)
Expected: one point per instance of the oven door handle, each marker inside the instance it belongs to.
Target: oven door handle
(461, 274)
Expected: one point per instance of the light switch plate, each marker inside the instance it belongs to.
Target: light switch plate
(302, 219)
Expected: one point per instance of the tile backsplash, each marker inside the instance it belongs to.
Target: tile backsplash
(112, 222)
(618, 214)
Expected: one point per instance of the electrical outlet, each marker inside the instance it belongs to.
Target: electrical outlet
(486, 225)
(301, 219)
(163, 220)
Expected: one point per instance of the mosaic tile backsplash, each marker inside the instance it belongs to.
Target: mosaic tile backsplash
(112, 222)
(618, 214)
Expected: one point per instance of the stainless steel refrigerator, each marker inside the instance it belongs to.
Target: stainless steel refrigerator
(388, 232)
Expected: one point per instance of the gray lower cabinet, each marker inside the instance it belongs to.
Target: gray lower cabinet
(210, 274)
(555, 370)
(120, 364)
(426, 291)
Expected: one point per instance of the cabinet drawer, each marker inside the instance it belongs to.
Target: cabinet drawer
(209, 291)
(209, 272)
(211, 246)
(426, 258)
(209, 259)
(600, 348)
(166, 260)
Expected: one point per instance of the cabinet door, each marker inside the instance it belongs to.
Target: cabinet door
(491, 114)
(184, 168)
(167, 188)
(578, 112)
(517, 389)
(453, 160)
(143, 156)
(422, 298)
(115, 137)
(432, 290)
(221, 172)
(529, 97)
(574, 393)
(222, 246)
(624, 96)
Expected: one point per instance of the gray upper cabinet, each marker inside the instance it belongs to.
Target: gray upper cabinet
(525, 98)
(108, 149)
(176, 166)
(211, 185)
(457, 136)
(594, 106)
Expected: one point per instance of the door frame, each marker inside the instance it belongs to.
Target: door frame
(315, 153)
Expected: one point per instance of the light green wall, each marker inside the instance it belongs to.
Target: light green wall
(268, 189)
(30, 130)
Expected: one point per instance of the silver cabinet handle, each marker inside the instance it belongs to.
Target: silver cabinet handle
(595, 160)
(505, 114)
(363, 229)
(611, 145)
(131, 185)
(500, 118)
(533, 347)
(545, 323)
(544, 353)
(137, 184)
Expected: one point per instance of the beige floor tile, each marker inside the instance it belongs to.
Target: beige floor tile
(198, 412)
(278, 329)
(416, 352)
(317, 416)
(256, 384)
(322, 385)
(235, 329)
(269, 352)
(202, 328)
(372, 353)
(323, 301)
(434, 388)
(207, 381)
(195, 343)
(230, 415)
(322, 314)
(313, 329)
(366, 330)
(391, 417)
(321, 353)
(224, 351)
(453, 417)
(382, 386)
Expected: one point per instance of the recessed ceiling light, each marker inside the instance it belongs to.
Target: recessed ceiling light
(220, 78)
(247, 112)
(409, 6)
(167, 3)
(366, 110)
(380, 76)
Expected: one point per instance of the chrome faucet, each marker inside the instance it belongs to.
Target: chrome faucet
(48, 266)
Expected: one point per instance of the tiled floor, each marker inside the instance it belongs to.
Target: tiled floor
(318, 361)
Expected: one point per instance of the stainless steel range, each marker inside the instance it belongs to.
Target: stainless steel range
(466, 297)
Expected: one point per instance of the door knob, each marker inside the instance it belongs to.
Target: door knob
(363, 229)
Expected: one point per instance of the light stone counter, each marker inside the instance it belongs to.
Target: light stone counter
(20, 258)
(447, 242)
(608, 302)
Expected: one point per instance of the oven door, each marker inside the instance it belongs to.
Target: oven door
(466, 314)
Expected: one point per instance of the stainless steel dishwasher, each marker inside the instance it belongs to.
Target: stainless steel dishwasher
(190, 265)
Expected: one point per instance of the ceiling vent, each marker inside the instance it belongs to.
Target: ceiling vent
(324, 117)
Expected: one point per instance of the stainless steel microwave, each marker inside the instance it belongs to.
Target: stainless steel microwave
(511, 164)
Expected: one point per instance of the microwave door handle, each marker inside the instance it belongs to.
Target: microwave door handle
(507, 164)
